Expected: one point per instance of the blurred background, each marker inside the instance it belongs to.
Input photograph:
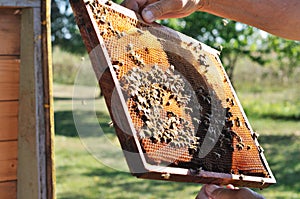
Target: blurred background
(264, 70)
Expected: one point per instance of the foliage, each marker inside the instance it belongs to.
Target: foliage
(65, 66)
(234, 39)
(65, 33)
(287, 55)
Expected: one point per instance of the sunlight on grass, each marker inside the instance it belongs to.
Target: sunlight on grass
(79, 175)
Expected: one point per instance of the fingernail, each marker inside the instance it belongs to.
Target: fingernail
(148, 16)
(230, 186)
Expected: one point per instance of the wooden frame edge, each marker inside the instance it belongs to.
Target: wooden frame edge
(48, 97)
(203, 176)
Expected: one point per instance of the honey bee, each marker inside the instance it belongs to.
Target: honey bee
(225, 22)
(166, 176)
(109, 3)
(241, 177)
(228, 113)
(232, 102)
(110, 123)
(141, 63)
(237, 122)
(129, 47)
(255, 135)
(188, 109)
(262, 182)
(116, 67)
(229, 123)
(239, 139)
(192, 150)
(217, 155)
(260, 149)
(172, 68)
(163, 139)
(190, 44)
(240, 146)
(147, 50)
(139, 31)
(102, 20)
(115, 62)
(197, 120)
(104, 10)
(104, 32)
(118, 34)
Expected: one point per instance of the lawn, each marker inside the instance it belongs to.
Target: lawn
(91, 165)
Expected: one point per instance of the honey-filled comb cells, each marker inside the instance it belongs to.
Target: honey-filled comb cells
(174, 110)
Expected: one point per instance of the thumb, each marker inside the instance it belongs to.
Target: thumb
(224, 193)
(157, 9)
(214, 191)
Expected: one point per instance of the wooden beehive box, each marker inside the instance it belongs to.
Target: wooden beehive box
(175, 112)
(25, 100)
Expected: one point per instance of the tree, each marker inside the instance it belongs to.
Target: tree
(287, 55)
(64, 31)
(235, 40)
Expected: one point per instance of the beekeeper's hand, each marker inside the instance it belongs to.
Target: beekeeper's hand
(277, 17)
(217, 192)
(152, 10)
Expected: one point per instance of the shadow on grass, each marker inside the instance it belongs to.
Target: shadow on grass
(65, 125)
(282, 153)
(281, 117)
(126, 182)
(275, 116)
(283, 157)
(74, 98)
(68, 195)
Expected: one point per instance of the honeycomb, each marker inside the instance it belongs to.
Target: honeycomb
(180, 100)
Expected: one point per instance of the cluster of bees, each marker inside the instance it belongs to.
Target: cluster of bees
(99, 14)
(225, 138)
(105, 26)
(230, 122)
(148, 90)
(153, 90)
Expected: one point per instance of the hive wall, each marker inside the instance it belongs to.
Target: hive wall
(10, 25)
(26, 117)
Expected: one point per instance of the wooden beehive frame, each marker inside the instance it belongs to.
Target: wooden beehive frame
(107, 70)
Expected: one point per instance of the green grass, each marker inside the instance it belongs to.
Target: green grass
(272, 109)
(66, 66)
(79, 175)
